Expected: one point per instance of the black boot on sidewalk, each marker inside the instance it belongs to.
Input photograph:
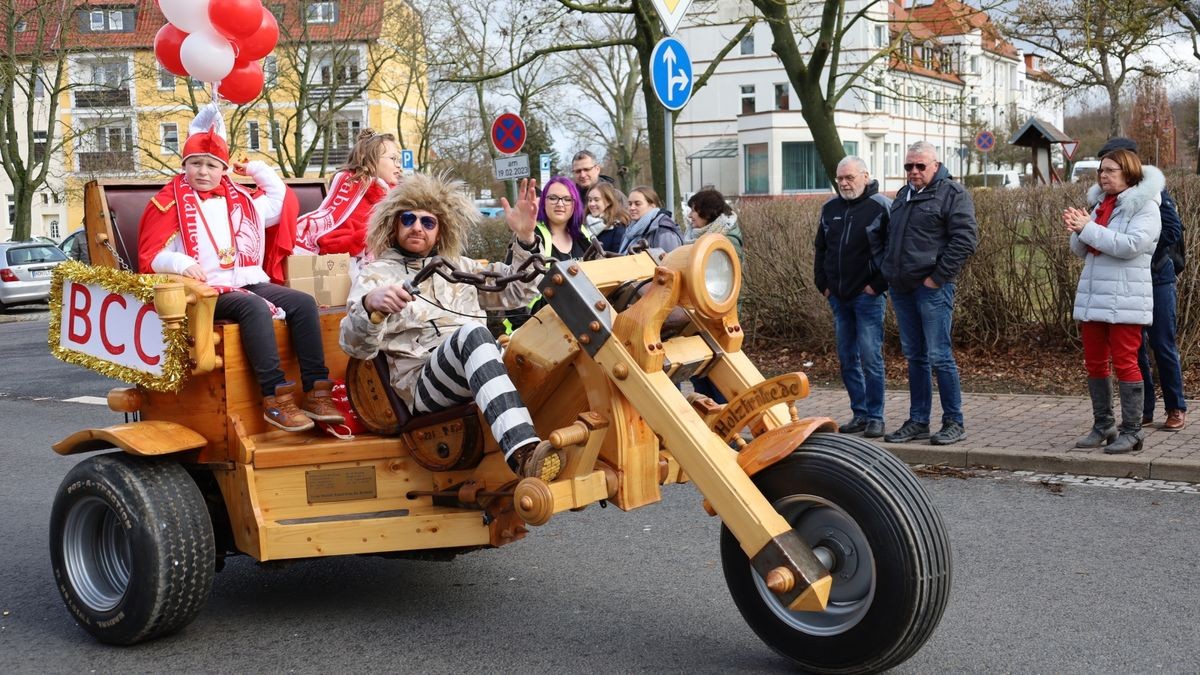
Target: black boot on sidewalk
(1104, 429)
(1130, 439)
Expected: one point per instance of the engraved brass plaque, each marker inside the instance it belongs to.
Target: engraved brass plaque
(340, 485)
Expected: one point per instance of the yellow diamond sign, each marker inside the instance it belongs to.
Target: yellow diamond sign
(671, 12)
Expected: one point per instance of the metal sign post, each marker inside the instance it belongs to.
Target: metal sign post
(985, 141)
(671, 75)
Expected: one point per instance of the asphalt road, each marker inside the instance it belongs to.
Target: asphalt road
(1082, 580)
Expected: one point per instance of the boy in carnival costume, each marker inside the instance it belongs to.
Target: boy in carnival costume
(204, 226)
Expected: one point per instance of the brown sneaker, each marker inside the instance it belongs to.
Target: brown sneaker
(318, 404)
(281, 410)
(1176, 419)
(537, 460)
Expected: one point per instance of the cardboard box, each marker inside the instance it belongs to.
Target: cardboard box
(325, 277)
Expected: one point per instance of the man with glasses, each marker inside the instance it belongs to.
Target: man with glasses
(847, 269)
(931, 234)
(585, 170)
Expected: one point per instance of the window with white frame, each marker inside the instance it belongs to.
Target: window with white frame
(748, 107)
(252, 135)
(55, 233)
(336, 69)
(276, 136)
(169, 133)
(40, 140)
(113, 74)
(781, 97)
(881, 40)
(110, 20)
(270, 67)
(166, 79)
(747, 44)
(345, 132)
(320, 12)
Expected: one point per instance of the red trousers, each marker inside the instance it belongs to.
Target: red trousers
(1120, 341)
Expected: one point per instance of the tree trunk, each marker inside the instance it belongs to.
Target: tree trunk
(647, 33)
(1114, 111)
(23, 202)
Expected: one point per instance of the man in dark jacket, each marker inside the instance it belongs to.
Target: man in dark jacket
(585, 171)
(1159, 336)
(847, 270)
(931, 234)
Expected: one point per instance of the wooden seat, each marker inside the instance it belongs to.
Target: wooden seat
(379, 406)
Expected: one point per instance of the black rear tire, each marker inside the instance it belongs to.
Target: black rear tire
(868, 517)
(132, 547)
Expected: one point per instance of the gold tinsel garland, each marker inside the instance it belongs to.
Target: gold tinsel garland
(141, 286)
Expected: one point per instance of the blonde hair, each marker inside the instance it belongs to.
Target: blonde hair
(364, 156)
(440, 195)
(615, 211)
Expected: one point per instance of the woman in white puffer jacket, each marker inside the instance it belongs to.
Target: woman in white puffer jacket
(1115, 296)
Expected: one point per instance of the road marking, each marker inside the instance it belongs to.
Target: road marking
(91, 400)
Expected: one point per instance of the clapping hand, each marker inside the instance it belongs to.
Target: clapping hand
(521, 217)
(1075, 219)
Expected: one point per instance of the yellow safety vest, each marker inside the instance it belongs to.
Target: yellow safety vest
(547, 249)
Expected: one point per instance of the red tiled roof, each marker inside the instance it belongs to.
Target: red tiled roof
(357, 20)
(951, 17)
(916, 69)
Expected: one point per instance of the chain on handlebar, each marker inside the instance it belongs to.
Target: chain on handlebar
(493, 282)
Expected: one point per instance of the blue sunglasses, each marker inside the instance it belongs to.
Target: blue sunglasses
(408, 219)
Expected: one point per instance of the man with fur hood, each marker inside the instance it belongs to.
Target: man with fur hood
(439, 350)
(1115, 296)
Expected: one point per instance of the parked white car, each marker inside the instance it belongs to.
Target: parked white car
(1085, 170)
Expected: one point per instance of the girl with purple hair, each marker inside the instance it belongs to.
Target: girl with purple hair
(559, 233)
(560, 217)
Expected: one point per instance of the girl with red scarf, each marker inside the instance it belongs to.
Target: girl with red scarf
(204, 226)
(339, 225)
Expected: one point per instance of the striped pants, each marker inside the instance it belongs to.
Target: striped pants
(467, 366)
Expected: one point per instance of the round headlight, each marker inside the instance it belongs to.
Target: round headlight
(718, 275)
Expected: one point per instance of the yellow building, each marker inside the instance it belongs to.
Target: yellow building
(340, 66)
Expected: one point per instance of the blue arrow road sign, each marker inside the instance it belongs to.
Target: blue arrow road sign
(406, 160)
(671, 73)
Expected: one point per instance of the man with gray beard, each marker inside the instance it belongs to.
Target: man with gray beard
(848, 271)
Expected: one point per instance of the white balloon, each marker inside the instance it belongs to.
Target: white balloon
(189, 16)
(208, 57)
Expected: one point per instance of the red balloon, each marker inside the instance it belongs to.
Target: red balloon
(243, 84)
(235, 19)
(166, 49)
(261, 43)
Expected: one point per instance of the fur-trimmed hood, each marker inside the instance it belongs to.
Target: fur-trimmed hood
(440, 195)
(1134, 198)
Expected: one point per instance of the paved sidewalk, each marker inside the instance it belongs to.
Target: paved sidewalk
(1028, 432)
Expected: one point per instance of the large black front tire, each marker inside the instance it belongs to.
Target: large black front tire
(869, 519)
(132, 547)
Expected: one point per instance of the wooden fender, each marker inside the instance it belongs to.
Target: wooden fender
(146, 439)
(777, 444)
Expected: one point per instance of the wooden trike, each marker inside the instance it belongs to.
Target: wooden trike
(830, 546)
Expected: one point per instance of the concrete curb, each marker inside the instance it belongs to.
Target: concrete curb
(1085, 463)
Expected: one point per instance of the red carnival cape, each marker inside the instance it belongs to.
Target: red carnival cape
(175, 210)
(281, 239)
(339, 224)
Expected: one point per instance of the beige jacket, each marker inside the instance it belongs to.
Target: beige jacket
(410, 336)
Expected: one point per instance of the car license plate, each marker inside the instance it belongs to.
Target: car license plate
(41, 274)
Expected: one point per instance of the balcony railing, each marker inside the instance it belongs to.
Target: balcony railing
(102, 98)
(105, 162)
(351, 90)
(337, 156)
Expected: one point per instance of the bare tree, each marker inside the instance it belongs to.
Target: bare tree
(1097, 43)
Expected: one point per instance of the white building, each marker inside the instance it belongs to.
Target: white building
(945, 74)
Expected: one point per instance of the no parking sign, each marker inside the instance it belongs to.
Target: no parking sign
(508, 133)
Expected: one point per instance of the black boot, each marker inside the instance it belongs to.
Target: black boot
(1104, 429)
(1130, 439)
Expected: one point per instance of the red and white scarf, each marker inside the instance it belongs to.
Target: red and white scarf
(244, 222)
(343, 198)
